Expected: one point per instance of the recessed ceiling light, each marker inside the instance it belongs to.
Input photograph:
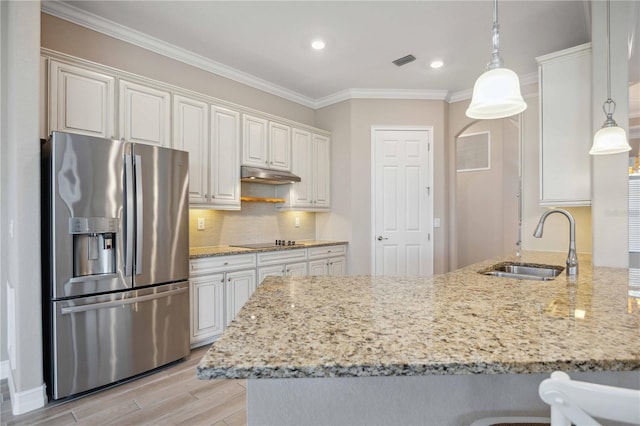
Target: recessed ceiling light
(318, 44)
(437, 63)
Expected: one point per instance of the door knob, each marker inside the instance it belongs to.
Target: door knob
(380, 238)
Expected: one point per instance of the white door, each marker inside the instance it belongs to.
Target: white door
(402, 197)
(270, 271)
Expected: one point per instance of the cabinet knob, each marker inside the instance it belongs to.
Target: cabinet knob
(229, 279)
(213, 196)
(222, 281)
(206, 195)
(226, 263)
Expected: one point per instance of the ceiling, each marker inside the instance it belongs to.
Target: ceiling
(266, 44)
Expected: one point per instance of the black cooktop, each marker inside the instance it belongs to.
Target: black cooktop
(279, 243)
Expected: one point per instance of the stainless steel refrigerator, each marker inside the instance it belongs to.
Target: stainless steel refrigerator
(115, 222)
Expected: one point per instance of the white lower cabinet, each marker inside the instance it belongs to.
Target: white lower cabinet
(329, 260)
(282, 270)
(238, 286)
(220, 285)
(207, 301)
(282, 263)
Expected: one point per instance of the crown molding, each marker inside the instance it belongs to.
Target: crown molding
(137, 38)
(433, 95)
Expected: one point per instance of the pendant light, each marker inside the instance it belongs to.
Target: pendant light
(496, 93)
(610, 139)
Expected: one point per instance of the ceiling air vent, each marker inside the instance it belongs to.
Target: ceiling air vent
(404, 60)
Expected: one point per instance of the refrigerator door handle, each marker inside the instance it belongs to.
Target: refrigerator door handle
(113, 303)
(129, 214)
(139, 214)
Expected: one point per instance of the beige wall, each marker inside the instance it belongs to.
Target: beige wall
(356, 206)
(72, 39)
(256, 222)
(486, 200)
(556, 232)
(336, 225)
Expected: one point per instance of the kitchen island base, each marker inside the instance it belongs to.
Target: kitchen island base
(406, 400)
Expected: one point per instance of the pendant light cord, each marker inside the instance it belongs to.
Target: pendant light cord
(496, 59)
(609, 106)
(608, 50)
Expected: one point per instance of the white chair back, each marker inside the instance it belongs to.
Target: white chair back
(579, 402)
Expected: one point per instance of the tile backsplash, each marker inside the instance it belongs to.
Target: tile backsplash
(255, 223)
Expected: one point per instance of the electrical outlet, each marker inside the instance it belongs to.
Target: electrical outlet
(297, 222)
(436, 222)
(200, 223)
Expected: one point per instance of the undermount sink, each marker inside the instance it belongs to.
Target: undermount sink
(524, 271)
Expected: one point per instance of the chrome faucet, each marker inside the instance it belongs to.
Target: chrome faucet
(572, 257)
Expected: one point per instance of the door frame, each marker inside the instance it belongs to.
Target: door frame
(430, 155)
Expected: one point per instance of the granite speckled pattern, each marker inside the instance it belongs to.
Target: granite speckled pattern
(457, 323)
(197, 252)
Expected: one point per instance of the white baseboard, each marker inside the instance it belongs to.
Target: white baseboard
(4, 369)
(25, 401)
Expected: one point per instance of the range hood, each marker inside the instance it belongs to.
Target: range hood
(259, 175)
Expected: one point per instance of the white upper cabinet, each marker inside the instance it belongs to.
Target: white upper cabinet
(322, 171)
(255, 151)
(190, 133)
(265, 144)
(311, 161)
(80, 100)
(225, 159)
(145, 114)
(279, 146)
(565, 127)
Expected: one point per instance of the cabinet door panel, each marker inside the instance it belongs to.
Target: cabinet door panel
(302, 165)
(190, 134)
(270, 271)
(337, 266)
(296, 269)
(207, 316)
(566, 132)
(239, 287)
(81, 101)
(279, 146)
(145, 115)
(254, 142)
(225, 152)
(322, 171)
(318, 267)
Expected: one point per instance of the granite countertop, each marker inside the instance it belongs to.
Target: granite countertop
(457, 323)
(198, 252)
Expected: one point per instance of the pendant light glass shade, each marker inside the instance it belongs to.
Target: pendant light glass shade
(496, 94)
(610, 140)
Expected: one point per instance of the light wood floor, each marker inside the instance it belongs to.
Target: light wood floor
(172, 396)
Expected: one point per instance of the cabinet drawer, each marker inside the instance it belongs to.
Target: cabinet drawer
(222, 263)
(283, 256)
(318, 252)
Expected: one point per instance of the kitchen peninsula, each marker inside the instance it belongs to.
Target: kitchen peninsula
(417, 350)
